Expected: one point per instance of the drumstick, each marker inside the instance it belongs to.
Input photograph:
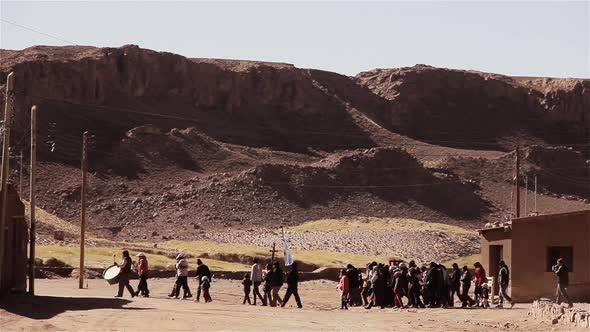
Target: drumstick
(114, 259)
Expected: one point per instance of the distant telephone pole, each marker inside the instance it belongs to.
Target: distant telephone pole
(526, 195)
(536, 211)
(83, 202)
(32, 174)
(20, 179)
(5, 166)
(517, 177)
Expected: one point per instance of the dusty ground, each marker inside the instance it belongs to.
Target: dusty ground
(61, 306)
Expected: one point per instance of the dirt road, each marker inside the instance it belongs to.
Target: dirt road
(60, 305)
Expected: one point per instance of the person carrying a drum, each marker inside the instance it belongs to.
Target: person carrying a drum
(124, 275)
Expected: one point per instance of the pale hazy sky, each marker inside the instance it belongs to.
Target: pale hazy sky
(517, 38)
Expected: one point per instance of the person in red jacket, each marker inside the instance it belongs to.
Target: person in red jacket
(142, 271)
(344, 287)
(479, 279)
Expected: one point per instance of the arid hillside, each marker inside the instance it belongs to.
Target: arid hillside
(214, 149)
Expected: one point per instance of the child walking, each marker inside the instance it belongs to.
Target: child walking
(343, 286)
(485, 295)
(247, 287)
(205, 284)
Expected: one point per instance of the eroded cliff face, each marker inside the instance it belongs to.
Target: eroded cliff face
(283, 107)
(442, 104)
(246, 102)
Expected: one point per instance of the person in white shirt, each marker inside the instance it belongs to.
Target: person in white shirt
(256, 277)
(181, 278)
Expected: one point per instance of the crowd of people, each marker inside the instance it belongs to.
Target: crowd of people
(409, 285)
(397, 285)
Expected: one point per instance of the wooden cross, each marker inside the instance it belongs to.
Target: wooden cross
(273, 251)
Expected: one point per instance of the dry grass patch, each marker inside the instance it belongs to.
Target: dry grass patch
(103, 257)
(370, 223)
(466, 260)
(244, 252)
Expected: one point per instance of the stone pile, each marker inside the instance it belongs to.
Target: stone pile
(547, 310)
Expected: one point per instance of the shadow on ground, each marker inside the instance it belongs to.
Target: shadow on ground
(45, 307)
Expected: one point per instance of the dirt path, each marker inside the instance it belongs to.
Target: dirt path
(61, 306)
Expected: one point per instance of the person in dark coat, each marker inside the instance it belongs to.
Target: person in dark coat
(124, 275)
(268, 276)
(292, 281)
(503, 280)
(444, 286)
(247, 284)
(433, 281)
(465, 285)
(414, 286)
(277, 281)
(355, 285)
(455, 280)
(562, 273)
(202, 271)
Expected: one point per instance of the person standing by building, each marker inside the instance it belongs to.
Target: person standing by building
(124, 274)
(142, 271)
(503, 280)
(256, 277)
(202, 271)
(562, 273)
(292, 285)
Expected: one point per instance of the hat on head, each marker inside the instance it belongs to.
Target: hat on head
(204, 278)
(560, 260)
(179, 256)
(141, 254)
(485, 286)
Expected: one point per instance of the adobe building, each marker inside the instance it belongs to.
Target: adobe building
(530, 246)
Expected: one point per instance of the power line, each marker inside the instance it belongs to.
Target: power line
(38, 32)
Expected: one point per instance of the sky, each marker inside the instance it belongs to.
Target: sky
(514, 38)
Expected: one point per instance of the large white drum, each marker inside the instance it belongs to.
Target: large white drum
(111, 274)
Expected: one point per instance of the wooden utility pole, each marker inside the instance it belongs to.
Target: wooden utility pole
(273, 251)
(32, 174)
(20, 180)
(517, 178)
(526, 195)
(536, 195)
(5, 168)
(83, 201)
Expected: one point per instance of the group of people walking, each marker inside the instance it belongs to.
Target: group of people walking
(433, 285)
(203, 276)
(381, 285)
(272, 278)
